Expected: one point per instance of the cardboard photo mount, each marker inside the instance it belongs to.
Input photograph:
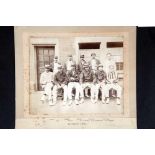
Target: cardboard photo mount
(27, 37)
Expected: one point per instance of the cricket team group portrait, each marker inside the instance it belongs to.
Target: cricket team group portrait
(75, 83)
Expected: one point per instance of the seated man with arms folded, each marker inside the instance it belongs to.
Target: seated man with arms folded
(60, 81)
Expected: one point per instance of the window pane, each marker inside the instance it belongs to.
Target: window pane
(93, 45)
(40, 57)
(114, 44)
(45, 52)
(46, 58)
(40, 51)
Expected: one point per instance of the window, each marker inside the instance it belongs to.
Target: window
(90, 45)
(45, 55)
(114, 44)
(119, 65)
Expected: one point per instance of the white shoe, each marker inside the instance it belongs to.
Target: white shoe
(54, 102)
(93, 101)
(87, 95)
(70, 102)
(118, 101)
(107, 100)
(51, 103)
(103, 100)
(76, 102)
(64, 103)
(42, 98)
(82, 100)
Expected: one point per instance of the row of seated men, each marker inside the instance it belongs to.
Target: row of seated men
(80, 77)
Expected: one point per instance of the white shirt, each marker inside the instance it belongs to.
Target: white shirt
(46, 77)
(69, 64)
(55, 68)
(93, 64)
(109, 63)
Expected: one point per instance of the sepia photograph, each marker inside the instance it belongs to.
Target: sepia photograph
(75, 72)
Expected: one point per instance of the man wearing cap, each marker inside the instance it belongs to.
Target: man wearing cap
(60, 81)
(108, 62)
(112, 77)
(69, 63)
(101, 80)
(73, 78)
(87, 80)
(94, 62)
(46, 81)
(81, 63)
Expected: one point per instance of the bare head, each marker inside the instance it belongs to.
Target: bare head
(47, 68)
(93, 55)
(108, 56)
(56, 59)
(70, 58)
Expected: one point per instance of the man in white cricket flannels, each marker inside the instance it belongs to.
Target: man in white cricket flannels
(101, 79)
(112, 78)
(87, 78)
(60, 81)
(94, 62)
(46, 81)
(73, 78)
(108, 62)
(69, 63)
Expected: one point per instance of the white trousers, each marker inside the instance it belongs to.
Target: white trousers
(101, 86)
(72, 85)
(115, 86)
(92, 89)
(48, 90)
(55, 92)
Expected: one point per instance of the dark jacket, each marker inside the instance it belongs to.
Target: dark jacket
(100, 76)
(73, 76)
(87, 76)
(60, 78)
(80, 66)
